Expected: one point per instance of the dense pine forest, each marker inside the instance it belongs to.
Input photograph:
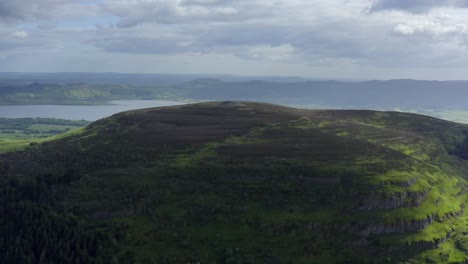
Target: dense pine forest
(35, 229)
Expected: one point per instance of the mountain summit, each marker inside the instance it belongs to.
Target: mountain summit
(252, 182)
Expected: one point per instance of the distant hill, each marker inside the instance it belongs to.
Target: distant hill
(242, 182)
(127, 78)
(409, 95)
(412, 94)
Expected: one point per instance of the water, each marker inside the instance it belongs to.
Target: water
(78, 112)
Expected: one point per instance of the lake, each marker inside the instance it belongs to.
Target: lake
(79, 112)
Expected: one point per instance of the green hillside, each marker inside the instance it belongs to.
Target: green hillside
(240, 182)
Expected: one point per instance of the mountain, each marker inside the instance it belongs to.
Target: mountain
(240, 182)
(447, 99)
(126, 78)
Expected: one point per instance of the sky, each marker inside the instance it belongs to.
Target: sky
(352, 39)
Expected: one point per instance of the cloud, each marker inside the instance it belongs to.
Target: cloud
(132, 13)
(430, 27)
(333, 36)
(20, 34)
(23, 10)
(45, 13)
(311, 33)
(284, 52)
(208, 26)
(141, 45)
(417, 6)
(18, 40)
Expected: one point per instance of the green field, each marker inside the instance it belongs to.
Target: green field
(19, 133)
(83, 94)
(455, 115)
(460, 116)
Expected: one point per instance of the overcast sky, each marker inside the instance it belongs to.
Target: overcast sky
(362, 39)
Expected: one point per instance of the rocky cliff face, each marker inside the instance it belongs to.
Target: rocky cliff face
(400, 226)
(391, 200)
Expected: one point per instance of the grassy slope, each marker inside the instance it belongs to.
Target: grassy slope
(214, 182)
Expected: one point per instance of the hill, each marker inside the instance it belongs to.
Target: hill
(391, 94)
(241, 182)
(442, 99)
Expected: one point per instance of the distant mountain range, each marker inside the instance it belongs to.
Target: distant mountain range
(130, 78)
(436, 98)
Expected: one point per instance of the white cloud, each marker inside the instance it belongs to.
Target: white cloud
(20, 34)
(281, 53)
(430, 27)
